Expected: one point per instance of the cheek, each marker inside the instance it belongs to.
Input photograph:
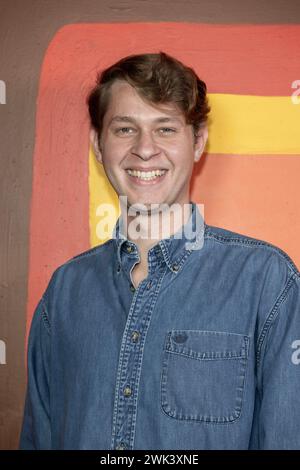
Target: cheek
(112, 156)
(182, 158)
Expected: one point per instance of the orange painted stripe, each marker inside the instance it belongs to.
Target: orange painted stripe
(246, 59)
(257, 195)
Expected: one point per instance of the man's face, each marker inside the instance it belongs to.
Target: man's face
(138, 137)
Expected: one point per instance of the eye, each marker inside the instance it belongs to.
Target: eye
(126, 130)
(168, 130)
(123, 130)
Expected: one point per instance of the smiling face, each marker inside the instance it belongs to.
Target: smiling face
(148, 152)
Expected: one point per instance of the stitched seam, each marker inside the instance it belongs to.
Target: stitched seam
(272, 316)
(45, 317)
(90, 252)
(247, 242)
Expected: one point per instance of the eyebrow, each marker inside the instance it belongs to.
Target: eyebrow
(131, 119)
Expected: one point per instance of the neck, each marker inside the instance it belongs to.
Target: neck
(147, 228)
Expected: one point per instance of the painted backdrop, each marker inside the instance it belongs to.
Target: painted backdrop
(51, 186)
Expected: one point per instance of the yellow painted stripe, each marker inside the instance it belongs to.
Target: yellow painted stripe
(254, 125)
(100, 192)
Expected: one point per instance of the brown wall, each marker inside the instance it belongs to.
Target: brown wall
(26, 27)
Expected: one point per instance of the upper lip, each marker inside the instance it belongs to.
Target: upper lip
(145, 169)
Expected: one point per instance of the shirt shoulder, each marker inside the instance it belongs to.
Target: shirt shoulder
(242, 240)
(95, 251)
(96, 258)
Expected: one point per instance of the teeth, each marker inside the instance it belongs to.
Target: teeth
(146, 175)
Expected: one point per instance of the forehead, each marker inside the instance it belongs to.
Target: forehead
(125, 100)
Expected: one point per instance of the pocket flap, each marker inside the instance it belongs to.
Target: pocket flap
(207, 345)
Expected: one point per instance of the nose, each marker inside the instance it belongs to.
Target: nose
(145, 146)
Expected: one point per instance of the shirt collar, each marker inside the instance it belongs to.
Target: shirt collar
(174, 249)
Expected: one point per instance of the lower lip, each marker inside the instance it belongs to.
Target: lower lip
(141, 182)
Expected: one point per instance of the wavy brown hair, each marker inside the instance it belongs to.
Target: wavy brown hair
(159, 79)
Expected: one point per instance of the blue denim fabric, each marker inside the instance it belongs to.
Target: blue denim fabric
(204, 354)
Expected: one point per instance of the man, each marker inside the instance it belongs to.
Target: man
(185, 339)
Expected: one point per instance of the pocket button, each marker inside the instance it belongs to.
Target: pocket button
(180, 338)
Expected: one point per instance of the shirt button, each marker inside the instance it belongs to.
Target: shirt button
(127, 391)
(132, 288)
(149, 285)
(121, 446)
(135, 336)
(175, 267)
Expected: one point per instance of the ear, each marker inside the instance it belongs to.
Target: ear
(200, 143)
(95, 144)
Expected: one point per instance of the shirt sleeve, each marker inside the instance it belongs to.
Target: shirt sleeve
(276, 422)
(36, 429)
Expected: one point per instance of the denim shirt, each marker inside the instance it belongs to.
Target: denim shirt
(203, 354)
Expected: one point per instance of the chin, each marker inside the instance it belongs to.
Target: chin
(140, 205)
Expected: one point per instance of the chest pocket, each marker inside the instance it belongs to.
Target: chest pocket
(203, 375)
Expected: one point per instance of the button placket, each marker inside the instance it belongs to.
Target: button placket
(138, 321)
